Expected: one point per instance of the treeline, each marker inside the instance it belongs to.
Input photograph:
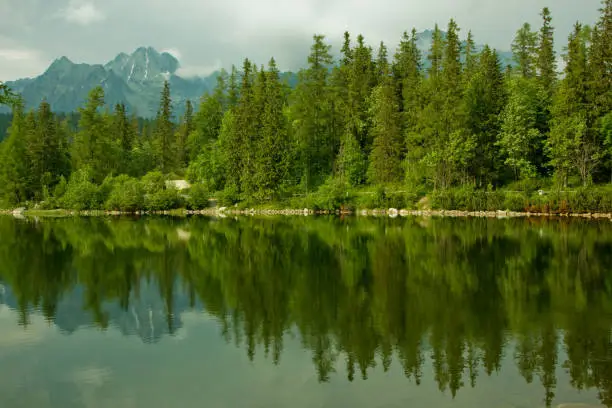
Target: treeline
(450, 301)
(368, 119)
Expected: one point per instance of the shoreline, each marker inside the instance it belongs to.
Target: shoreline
(224, 212)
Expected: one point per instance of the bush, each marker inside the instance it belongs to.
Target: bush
(514, 202)
(81, 193)
(198, 197)
(332, 195)
(164, 200)
(127, 194)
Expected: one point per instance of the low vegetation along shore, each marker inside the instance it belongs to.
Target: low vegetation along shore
(155, 195)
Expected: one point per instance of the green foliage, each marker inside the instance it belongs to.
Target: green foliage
(350, 162)
(164, 200)
(163, 135)
(198, 197)
(81, 193)
(127, 194)
(519, 137)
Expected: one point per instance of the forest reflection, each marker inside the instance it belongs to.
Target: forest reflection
(454, 294)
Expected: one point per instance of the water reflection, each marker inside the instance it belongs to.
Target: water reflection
(446, 300)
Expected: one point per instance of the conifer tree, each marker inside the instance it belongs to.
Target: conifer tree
(470, 57)
(185, 128)
(519, 135)
(163, 134)
(13, 167)
(125, 138)
(247, 126)
(312, 117)
(524, 50)
(233, 85)
(207, 121)
(572, 144)
(91, 143)
(351, 163)
(386, 156)
(600, 66)
(485, 98)
(362, 79)
(408, 82)
(272, 151)
(436, 52)
(546, 61)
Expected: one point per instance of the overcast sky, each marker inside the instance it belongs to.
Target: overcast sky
(206, 35)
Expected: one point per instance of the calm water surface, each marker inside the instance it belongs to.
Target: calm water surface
(304, 312)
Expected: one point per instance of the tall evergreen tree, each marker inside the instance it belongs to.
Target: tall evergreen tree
(272, 151)
(207, 121)
(546, 61)
(247, 125)
(524, 50)
(436, 52)
(485, 99)
(519, 136)
(470, 57)
(312, 117)
(386, 156)
(573, 145)
(14, 167)
(163, 134)
(185, 128)
(362, 79)
(92, 142)
(449, 146)
(125, 135)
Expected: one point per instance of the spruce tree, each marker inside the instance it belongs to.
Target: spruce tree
(14, 163)
(182, 136)
(351, 163)
(386, 156)
(524, 50)
(272, 151)
(485, 98)
(436, 52)
(247, 126)
(207, 121)
(91, 143)
(362, 79)
(125, 138)
(163, 133)
(312, 115)
(546, 60)
(519, 135)
(470, 57)
(572, 144)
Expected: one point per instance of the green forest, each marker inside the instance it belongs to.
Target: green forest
(450, 300)
(372, 128)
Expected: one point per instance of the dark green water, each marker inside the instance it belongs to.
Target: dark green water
(305, 312)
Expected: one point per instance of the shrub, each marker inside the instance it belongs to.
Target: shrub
(81, 193)
(167, 199)
(198, 197)
(127, 194)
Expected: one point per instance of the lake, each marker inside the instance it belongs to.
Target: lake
(305, 312)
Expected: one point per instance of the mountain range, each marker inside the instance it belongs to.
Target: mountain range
(136, 80)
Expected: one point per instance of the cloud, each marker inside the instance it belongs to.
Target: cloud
(82, 13)
(19, 62)
(17, 55)
(191, 71)
(174, 52)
